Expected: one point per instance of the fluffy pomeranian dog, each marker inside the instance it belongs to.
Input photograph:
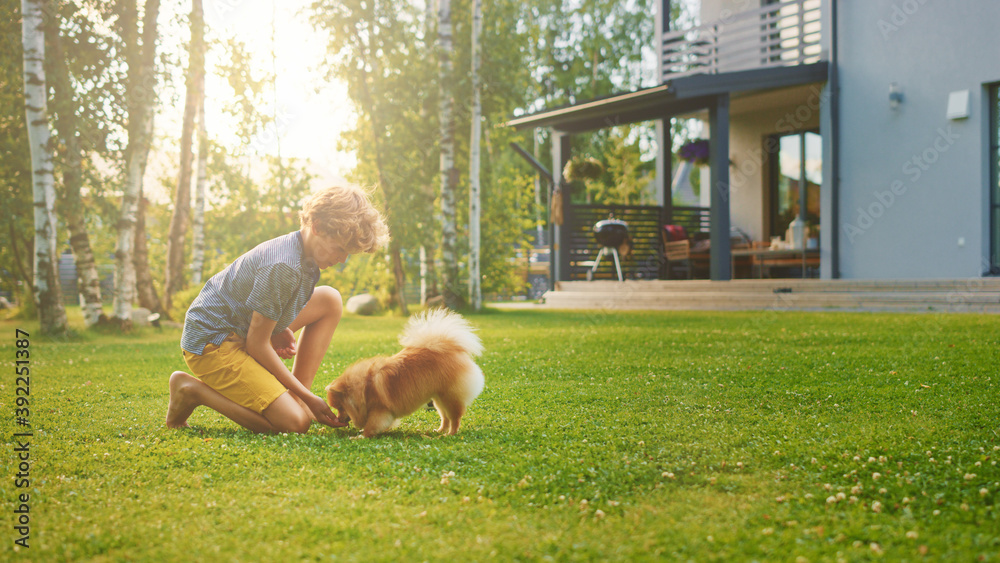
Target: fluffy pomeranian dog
(436, 364)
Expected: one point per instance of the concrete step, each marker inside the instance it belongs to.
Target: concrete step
(961, 285)
(981, 295)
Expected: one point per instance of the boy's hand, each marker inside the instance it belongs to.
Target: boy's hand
(284, 344)
(321, 411)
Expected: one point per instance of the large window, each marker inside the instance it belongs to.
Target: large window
(994, 156)
(796, 169)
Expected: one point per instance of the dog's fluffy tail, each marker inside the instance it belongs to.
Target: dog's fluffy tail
(440, 330)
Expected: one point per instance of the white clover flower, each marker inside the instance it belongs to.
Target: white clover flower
(876, 506)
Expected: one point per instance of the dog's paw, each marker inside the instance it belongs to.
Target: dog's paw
(358, 437)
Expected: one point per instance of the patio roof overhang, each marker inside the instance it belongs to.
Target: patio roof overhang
(677, 97)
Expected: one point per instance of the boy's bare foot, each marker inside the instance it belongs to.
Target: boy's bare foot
(182, 402)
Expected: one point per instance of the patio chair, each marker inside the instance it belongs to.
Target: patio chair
(678, 256)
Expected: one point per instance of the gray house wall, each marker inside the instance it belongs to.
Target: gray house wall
(914, 184)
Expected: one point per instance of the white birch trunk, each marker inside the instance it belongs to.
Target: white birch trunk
(423, 275)
(430, 9)
(47, 293)
(449, 174)
(140, 91)
(475, 287)
(124, 268)
(198, 244)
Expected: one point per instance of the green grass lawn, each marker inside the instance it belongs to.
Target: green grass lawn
(632, 436)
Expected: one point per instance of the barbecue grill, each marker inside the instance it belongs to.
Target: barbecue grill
(610, 234)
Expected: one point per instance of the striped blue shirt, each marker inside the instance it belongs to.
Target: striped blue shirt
(275, 279)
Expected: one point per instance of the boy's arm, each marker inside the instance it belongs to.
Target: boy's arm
(259, 348)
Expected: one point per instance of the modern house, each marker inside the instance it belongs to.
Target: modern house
(882, 115)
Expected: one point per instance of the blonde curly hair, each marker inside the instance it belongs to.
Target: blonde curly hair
(346, 215)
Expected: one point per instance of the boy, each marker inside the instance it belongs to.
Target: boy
(243, 322)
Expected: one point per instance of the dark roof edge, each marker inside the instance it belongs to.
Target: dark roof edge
(688, 87)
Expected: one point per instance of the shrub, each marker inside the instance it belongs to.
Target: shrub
(182, 300)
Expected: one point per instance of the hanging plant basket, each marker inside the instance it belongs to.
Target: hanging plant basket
(695, 151)
(581, 168)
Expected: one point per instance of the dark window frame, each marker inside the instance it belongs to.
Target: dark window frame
(773, 146)
(994, 188)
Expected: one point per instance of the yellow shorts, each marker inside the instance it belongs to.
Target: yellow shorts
(232, 372)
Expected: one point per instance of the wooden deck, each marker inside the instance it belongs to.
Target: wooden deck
(979, 295)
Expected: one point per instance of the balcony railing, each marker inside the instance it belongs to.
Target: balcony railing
(785, 33)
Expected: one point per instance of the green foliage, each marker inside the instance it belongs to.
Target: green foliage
(17, 227)
(626, 174)
(248, 103)
(599, 436)
(508, 211)
(245, 212)
(182, 301)
(580, 168)
(364, 273)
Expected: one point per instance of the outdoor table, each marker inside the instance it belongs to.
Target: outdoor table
(760, 256)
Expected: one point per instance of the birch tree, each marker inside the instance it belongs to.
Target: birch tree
(475, 287)
(198, 236)
(449, 173)
(46, 290)
(66, 109)
(179, 221)
(140, 92)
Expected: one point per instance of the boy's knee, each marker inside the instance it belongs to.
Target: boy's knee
(330, 298)
(295, 424)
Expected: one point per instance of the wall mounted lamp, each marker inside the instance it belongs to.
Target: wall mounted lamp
(895, 95)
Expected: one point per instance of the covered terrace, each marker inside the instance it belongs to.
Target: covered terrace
(676, 97)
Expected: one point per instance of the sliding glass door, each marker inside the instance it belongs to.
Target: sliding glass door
(796, 173)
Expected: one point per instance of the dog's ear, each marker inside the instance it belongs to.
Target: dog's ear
(334, 397)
